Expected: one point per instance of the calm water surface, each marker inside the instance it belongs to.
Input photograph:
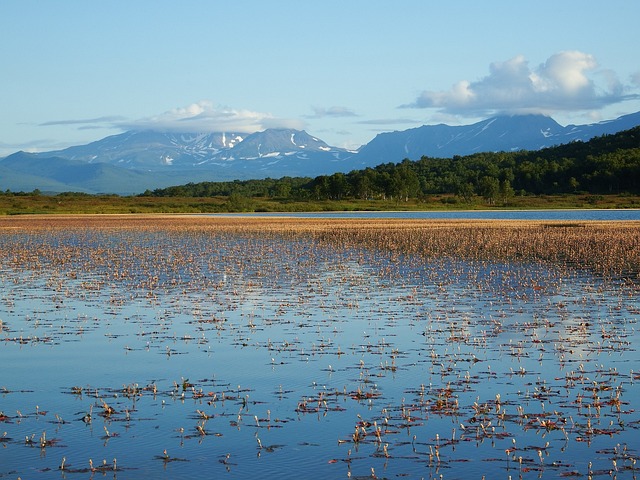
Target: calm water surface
(568, 215)
(200, 355)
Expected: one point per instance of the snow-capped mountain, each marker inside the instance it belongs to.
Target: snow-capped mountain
(159, 151)
(134, 161)
(151, 150)
(278, 142)
(501, 133)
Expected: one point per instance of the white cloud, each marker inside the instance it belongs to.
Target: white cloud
(335, 111)
(566, 72)
(565, 82)
(89, 122)
(205, 117)
(32, 146)
(388, 121)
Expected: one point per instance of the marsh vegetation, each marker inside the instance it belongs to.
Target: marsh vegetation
(171, 347)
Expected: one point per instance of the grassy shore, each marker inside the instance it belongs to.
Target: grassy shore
(111, 204)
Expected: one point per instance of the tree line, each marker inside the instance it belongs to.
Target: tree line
(603, 165)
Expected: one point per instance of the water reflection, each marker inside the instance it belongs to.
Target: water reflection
(191, 354)
(563, 215)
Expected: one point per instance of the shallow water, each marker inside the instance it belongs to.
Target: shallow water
(273, 357)
(556, 214)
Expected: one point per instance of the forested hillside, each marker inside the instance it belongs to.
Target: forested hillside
(603, 165)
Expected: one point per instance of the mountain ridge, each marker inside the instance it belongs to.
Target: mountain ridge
(500, 133)
(134, 161)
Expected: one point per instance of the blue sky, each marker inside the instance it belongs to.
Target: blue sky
(77, 71)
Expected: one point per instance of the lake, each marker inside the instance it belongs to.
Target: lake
(203, 352)
(566, 215)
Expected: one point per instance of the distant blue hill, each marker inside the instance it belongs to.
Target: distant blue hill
(502, 133)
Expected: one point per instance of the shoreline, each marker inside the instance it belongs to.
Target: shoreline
(177, 220)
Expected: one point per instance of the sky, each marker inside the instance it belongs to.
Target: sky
(76, 71)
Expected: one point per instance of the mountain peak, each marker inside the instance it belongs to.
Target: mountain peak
(526, 121)
(278, 141)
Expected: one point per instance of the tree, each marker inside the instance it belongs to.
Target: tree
(338, 186)
(320, 187)
(574, 184)
(363, 182)
(282, 189)
(238, 203)
(465, 191)
(506, 192)
(404, 181)
(489, 188)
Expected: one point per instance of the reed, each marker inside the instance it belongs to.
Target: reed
(608, 248)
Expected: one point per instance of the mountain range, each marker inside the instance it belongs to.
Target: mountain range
(134, 161)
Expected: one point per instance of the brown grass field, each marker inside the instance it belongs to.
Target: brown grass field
(609, 248)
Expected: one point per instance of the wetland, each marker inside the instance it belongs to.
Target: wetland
(184, 346)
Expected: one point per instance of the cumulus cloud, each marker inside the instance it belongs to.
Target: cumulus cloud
(566, 81)
(335, 112)
(205, 117)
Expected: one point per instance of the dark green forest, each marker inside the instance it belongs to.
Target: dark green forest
(608, 164)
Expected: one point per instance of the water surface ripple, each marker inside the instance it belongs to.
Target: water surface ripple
(186, 354)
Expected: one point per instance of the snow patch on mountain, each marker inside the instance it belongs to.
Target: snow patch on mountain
(486, 126)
